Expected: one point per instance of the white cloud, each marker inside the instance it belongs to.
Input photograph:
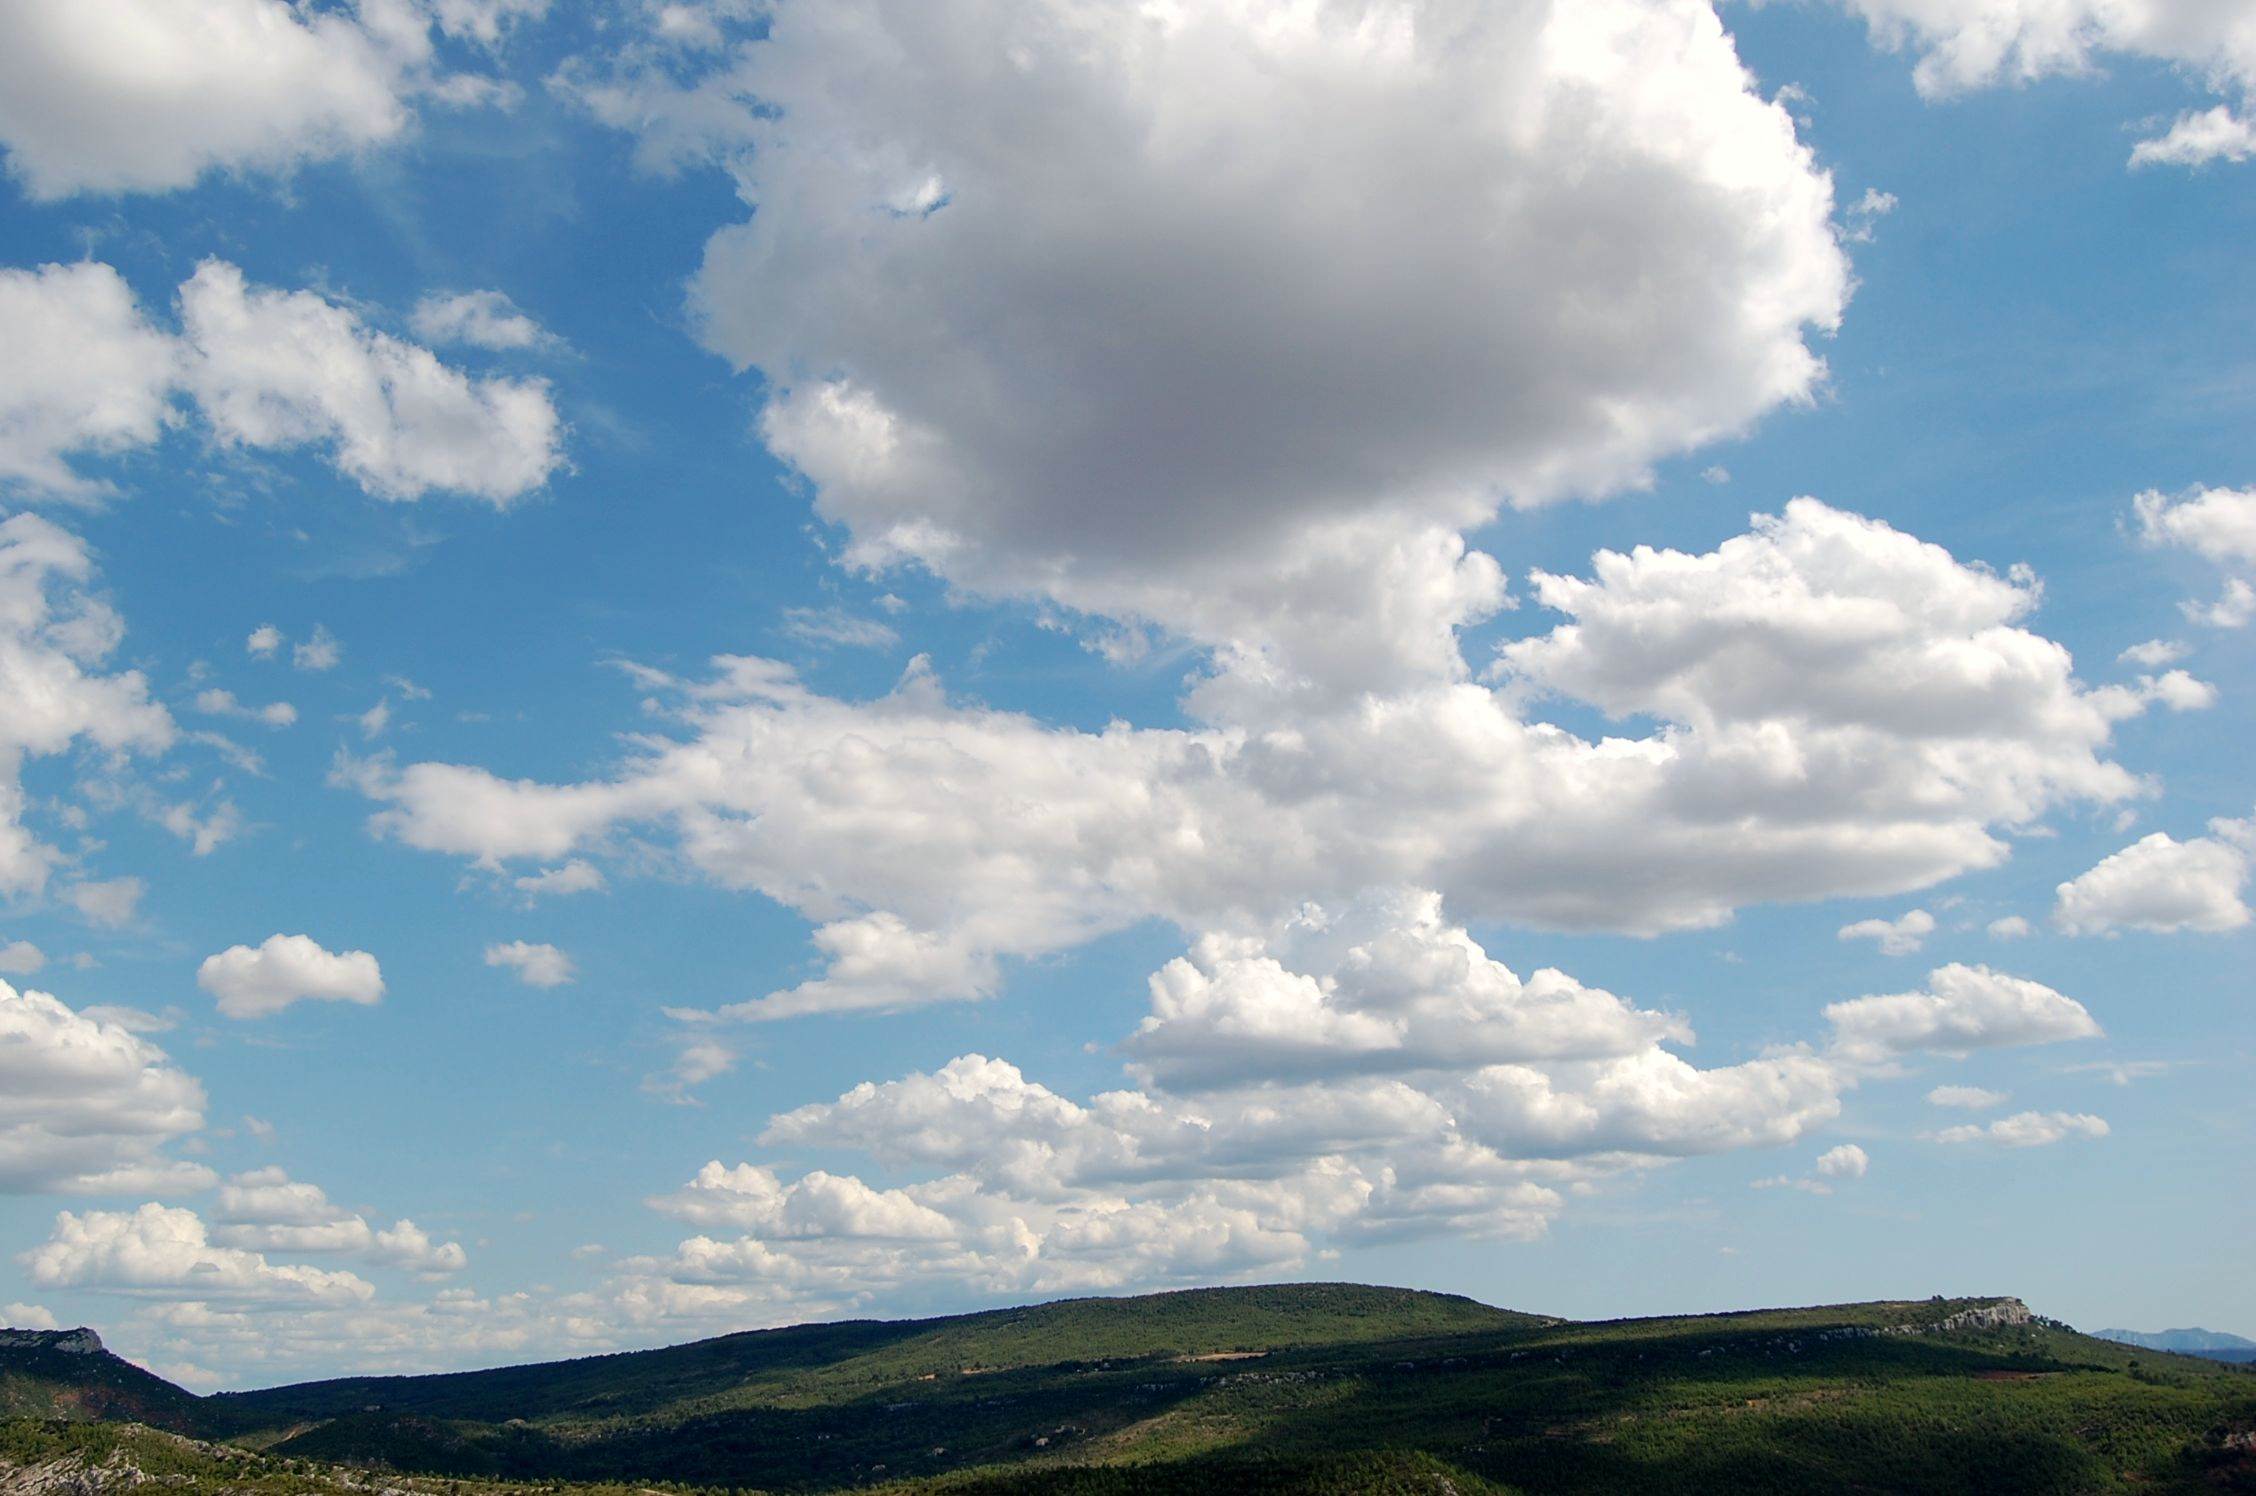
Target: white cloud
(323, 651)
(1968, 1098)
(28, 1317)
(113, 96)
(575, 876)
(20, 958)
(86, 1104)
(2198, 137)
(2154, 653)
(112, 902)
(215, 702)
(1350, 360)
(1847, 1161)
(535, 965)
(86, 372)
(1844, 711)
(267, 1211)
(696, 1061)
(266, 369)
(1896, 937)
(836, 626)
(2010, 927)
(2218, 524)
(2164, 885)
(283, 969)
(483, 319)
(288, 368)
(1962, 1008)
(166, 1250)
(2025, 1130)
(263, 641)
(1968, 44)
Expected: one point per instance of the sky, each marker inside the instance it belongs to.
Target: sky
(677, 667)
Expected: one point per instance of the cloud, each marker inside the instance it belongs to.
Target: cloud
(2009, 927)
(28, 1317)
(1897, 937)
(218, 703)
(2218, 524)
(482, 319)
(2154, 653)
(1847, 1161)
(1962, 1008)
(161, 1249)
(20, 958)
(1970, 1098)
(1348, 361)
(266, 370)
(288, 368)
(2198, 137)
(321, 652)
(836, 626)
(88, 373)
(263, 641)
(2164, 885)
(267, 1211)
(86, 1104)
(1969, 44)
(575, 876)
(696, 1061)
(283, 969)
(2025, 1130)
(111, 903)
(535, 965)
(111, 96)
(1842, 710)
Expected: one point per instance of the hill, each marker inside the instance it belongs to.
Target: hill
(2216, 1345)
(1312, 1388)
(69, 1374)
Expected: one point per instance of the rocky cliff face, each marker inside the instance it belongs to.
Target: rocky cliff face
(1995, 1315)
(79, 1342)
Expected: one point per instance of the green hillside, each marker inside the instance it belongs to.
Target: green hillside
(67, 1374)
(1326, 1388)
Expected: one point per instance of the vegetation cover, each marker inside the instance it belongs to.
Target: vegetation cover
(1318, 1388)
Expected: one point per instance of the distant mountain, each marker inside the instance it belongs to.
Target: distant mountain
(1310, 1388)
(2214, 1345)
(69, 1374)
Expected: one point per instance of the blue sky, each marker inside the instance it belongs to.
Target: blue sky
(722, 664)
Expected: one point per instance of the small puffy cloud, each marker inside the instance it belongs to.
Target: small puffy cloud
(27, 1317)
(483, 319)
(1968, 44)
(163, 1250)
(535, 965)
(575, 876)
(20, 958)
(256, 982)
(86, 1104)
(263, 641)
(2163, 885)
(696, 1061)
(1963, 1008)
(1968, 1098)
(288, 368)
(86, 372)
(1896, 937)
(1866, 212)
(2154, 653)
(2218, 524)
(110, 902)
(1848, 1161)
(2198, 137)
(218, 703)
(2025, 1130)
(323, 651)
(2009, 927)
(267, 1211)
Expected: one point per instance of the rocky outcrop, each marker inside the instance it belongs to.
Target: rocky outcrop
(78, 1342)
(1997, 1314)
